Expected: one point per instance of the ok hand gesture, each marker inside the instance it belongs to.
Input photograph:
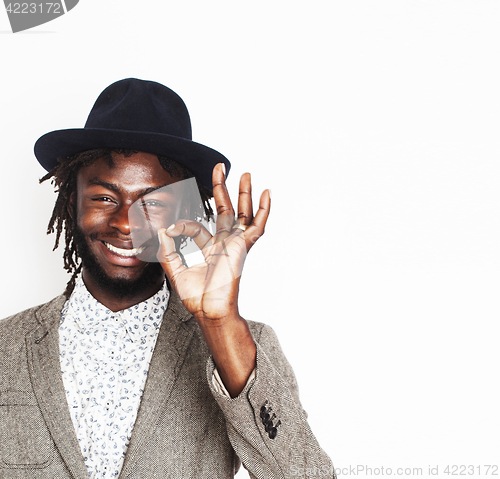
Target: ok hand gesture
(209, 290)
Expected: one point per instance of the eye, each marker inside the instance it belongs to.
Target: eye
(104, 199)
(153, 203)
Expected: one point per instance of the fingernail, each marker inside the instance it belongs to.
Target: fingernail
(269, 193)
(223, 168)
(159, 236)
(171, 227)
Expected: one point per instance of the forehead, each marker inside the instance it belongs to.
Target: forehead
(135, 172)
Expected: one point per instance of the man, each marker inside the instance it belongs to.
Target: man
(144, 367)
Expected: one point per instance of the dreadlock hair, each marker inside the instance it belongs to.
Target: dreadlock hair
(64, 176)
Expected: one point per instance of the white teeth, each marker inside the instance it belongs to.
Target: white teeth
(124, 252)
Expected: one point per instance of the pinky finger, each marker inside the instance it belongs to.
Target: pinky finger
(256, 229)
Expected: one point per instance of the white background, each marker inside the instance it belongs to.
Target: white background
(376, 125)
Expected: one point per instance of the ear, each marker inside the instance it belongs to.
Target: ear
(186, 210)
(71, 205)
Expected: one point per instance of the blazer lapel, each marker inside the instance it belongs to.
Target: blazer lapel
(45, 372)
(170, 350)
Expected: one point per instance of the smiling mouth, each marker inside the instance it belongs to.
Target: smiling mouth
(125, 252)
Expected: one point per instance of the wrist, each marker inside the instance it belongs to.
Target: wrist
(219, 320)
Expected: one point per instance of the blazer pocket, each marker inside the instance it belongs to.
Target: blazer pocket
(25, 441)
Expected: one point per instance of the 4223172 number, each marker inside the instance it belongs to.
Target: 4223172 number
(42, 7)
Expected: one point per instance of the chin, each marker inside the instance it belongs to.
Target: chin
(122, 287)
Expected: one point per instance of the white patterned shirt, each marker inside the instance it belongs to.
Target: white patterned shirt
(105, 359)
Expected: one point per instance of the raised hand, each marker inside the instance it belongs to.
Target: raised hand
(210, 290)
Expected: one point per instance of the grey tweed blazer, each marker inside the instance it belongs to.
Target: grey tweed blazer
(184, 427)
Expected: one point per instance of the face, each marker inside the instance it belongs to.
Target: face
(114, 202)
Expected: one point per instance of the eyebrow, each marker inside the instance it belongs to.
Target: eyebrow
(111, 186)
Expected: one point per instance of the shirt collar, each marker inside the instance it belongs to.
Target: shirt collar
(89, 314)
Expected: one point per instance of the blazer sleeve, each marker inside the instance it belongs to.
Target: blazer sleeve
(286, 448)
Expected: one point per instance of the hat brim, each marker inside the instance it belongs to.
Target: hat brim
(197, 158)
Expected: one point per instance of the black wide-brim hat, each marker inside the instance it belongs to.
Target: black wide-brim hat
(139, 115)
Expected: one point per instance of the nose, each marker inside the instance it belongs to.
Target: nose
(119, 220)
